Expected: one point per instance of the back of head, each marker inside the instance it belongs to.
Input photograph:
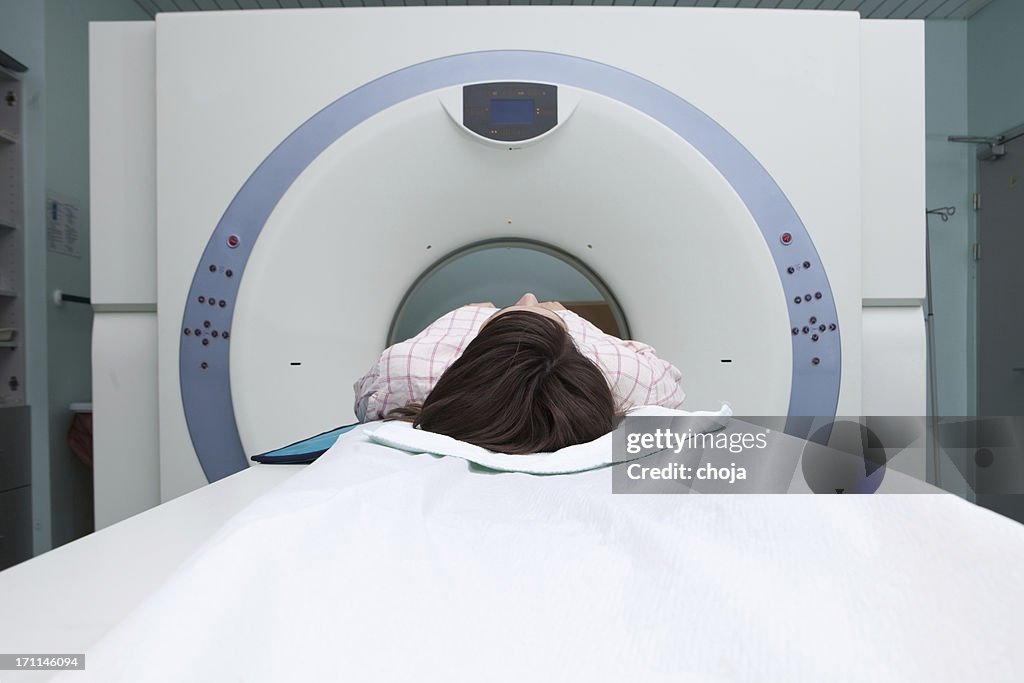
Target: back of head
(521, 386)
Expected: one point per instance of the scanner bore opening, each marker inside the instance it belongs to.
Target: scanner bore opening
(553, 275)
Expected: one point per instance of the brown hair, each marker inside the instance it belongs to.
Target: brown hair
(521, 386)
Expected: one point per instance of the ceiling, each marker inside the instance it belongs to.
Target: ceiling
(873, 9)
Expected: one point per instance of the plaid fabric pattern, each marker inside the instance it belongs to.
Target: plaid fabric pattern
(407, 371)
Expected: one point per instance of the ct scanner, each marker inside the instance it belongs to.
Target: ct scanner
(729, 178)
(268, 187)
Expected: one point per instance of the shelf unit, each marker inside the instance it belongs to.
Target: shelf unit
(15, 449)
(12, 246)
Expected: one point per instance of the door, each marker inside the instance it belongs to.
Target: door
(1001, 329)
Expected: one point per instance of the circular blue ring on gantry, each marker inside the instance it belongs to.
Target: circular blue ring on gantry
(205, 334)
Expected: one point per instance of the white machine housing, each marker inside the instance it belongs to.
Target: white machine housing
(830, 107)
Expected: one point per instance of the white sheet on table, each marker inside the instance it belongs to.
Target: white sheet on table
(377, 565)
(571, 459)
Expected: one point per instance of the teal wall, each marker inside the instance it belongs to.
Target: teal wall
(947, 185)
(995, 67)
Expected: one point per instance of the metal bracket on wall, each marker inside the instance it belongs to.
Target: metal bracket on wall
(989, 149)
(944, 212)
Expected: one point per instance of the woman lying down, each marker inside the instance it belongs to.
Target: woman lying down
(530, 378)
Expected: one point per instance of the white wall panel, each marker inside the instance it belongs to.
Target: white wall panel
(126, 462)
(122, 146)
(893, 161)
(894, 361)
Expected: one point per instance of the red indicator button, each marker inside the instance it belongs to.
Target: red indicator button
(233, 241)
(786, 238)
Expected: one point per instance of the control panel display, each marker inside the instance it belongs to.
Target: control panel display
(509, 112)
(513, 112)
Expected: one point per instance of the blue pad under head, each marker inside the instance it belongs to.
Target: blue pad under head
(304, 451)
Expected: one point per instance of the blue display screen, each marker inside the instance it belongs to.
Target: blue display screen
(513, 112)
